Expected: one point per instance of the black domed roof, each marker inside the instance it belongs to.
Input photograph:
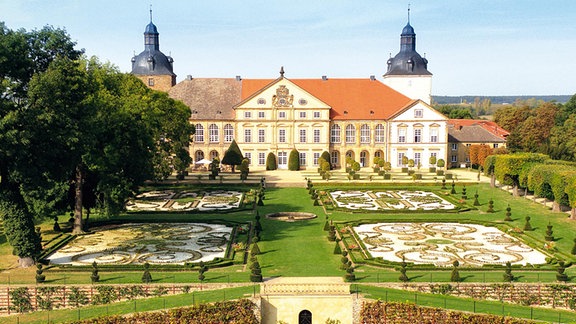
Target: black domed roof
(407, 61)
(151, 29)
(152, 61)
(408, 30)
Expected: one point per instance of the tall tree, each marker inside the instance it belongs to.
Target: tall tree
(233, 155)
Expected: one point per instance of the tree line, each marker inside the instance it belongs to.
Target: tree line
(76, 134)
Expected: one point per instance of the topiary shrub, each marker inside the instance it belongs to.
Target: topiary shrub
(476, 202)
(271, 162)
(256, 271)
(40, 278)
(549, 233)
(326, 156)
(527, 226)
(350, 276)
(508, 214)
(508, 276)
(455, 275)
(294, 160)
(560, 275)
(403, 277)
(490, 206)
(146, 276)
(95, 277)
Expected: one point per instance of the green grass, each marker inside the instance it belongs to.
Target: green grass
(133, 306)
(465, 304)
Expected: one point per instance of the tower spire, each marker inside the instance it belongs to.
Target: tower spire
(408, 12)
(151, 12)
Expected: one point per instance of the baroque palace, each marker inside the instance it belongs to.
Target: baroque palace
(357, 118)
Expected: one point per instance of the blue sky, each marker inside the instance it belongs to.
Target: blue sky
(474, 47)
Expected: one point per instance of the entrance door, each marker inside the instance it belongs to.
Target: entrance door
(282, 160)
(305, 317)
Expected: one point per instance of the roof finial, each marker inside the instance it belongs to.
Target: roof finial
(150, 12)
(408, 12)
(282, 72)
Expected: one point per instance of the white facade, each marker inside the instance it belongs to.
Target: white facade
(412, 86)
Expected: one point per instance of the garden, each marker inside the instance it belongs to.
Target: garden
(444, 227)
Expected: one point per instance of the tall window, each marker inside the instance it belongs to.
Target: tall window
(454, 159)
(302, 136)
(379, 134)
(335, 134)
(434, 154)
(334, 157)
(434, 134)
(454, 146)
(418, 135)
(261, 135)
(249, 157)
(302, 157)
(228, 133)
(281, 135)
(282, 158)
(261, 158)
(402, 135)
(213, 133)
(316, 156)
(400, 156)
(350, 134)
(199, 136)
(417, 158)
(365, 134)
(316, 135)
(248, 136)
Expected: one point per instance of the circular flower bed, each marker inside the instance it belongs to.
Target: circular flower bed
(291, 216)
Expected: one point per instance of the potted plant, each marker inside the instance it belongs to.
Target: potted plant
(440, 164)
(432, 162)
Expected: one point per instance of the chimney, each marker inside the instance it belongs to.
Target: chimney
(372, 78)
(238, 78)
(324, 78)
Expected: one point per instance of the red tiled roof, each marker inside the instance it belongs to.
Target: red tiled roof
(488, 125)
(353, 99)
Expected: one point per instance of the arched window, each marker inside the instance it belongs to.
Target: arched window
(199, 155)
(199, 137)
(214, 133)
(305, 317)
(379, 135)
(213, 155)
(335, 134)
(365, 134)
(350, 134)
(228, 133)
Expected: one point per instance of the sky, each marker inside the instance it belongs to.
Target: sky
(474, 47)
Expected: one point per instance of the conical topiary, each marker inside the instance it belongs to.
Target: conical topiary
(444, 183)
(455, 275)
(95, 277)
(39, 276)
(255, 250)
(56, 227)
(464, 196)
(403, 277)
(549, 233)
(344, 260)
(560, 275)
(337, 249)
(508, 276)
(527, 226)
(146, 276)
(256, 271)
(453, 191)
(476, 202)
(350, 276)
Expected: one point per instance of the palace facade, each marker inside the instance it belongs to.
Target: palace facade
(357, 118)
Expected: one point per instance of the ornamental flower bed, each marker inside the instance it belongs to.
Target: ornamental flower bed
(168, 200)
(441, 244)
(164, 243)
(389, 200)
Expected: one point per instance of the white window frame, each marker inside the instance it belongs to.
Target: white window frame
(261, 135)
(281, 114)
(417, 135)
(418, 113)
(281, 135)
(350, 134)
(228, 133)
(302, 135)
(334, 157)
(199, 134)
(213, 133)
(434, 135)
(248, 156)
(261, 115)
(282, 158)
(417, 158)
(379, 134)
(316, 135)
(365, 134)
(247, 114)
(400, 157)
(454, 146)
(316, 115)
(261, 158)
(335, 134)
(401, 134)
(247, 135)
(316, 157)
(302, 158)
(302, 115)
